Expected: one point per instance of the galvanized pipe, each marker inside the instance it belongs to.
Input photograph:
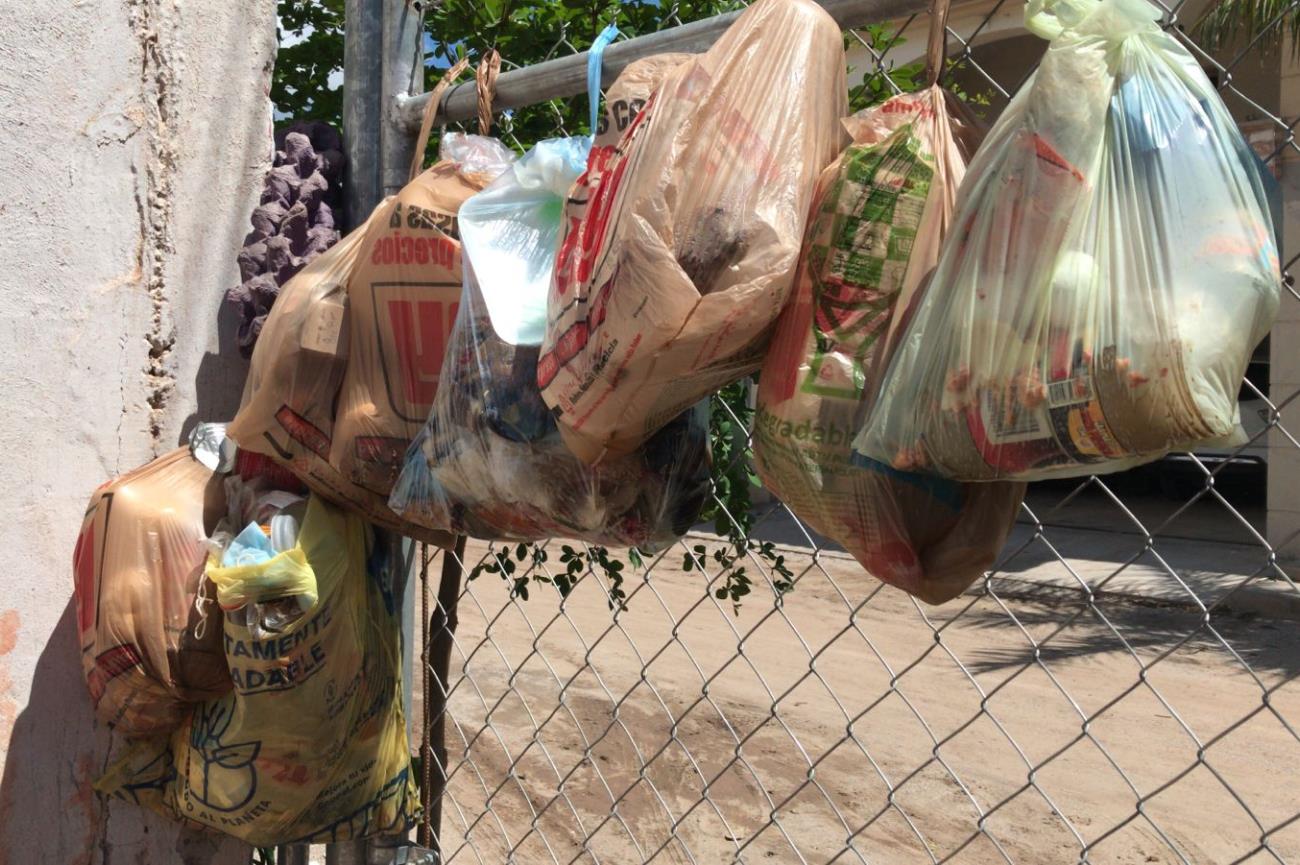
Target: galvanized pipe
(442, 636)
(362, 118)
(402, 77)
(567, 76)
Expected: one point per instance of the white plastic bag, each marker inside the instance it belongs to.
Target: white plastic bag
(1111, 268)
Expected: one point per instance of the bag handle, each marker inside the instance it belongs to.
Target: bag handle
(485, 82)
(430, 109)
(936, 50)
(595, 56)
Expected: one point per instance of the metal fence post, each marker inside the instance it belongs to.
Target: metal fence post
(383, 59)
(362, 62)
(441, 635)
(402, 78)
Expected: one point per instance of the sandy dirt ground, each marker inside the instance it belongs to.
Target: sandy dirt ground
(848, 725)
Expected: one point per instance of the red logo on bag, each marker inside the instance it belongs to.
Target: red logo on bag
(575, 338)
(409, 250)
(420, 333)
(385, 450)
(304, 432)
(83, 566)
(108, 666)
(585, 237)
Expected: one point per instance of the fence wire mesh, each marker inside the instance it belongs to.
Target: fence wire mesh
(1120, 688)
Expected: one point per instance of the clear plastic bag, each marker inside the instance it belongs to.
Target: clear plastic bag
(671, 276)
(490, 462)
(146, 651)
(878, 216)
(1111, 269)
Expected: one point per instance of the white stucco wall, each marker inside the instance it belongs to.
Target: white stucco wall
(134, 135)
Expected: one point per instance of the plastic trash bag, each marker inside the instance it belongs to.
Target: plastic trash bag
(878, 215)
(667, 286)
(490, 462)
(346, 366)
(403, 292)
(146, 651)
(623, 101)
(1111, 270)
(311, 744)
(287, 410)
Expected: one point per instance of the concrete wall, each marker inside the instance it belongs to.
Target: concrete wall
(134, 134)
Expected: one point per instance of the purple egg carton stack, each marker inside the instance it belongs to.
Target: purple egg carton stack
(293, 224)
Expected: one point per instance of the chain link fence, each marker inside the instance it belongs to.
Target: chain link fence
(1120, 688)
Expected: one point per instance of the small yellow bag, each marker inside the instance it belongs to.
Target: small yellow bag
(311, 745)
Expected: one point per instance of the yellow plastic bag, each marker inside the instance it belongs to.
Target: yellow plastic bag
(285, 575)
(311, 745)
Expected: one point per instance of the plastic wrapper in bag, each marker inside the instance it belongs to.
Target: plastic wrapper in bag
(878, 215)
(261, 523)
(146, 649)
(346, 366)
(1111, 269)
(667, 286)
(311, 744)
(403, 293)
(490, 462)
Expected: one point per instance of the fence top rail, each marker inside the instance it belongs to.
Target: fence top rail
(567, 76)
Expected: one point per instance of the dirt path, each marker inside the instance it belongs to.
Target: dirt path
(813, 733)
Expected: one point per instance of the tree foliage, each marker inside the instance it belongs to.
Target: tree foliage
(310, 35)
(1260, 24)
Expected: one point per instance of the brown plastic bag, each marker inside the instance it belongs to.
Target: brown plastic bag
(668, 284)
(145, 649)
(878, 217)
(403, 293)
(347, 364)
(288, 407)
(287, 411)
(623, 102)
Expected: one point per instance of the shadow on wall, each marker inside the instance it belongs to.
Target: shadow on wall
(49, 811)
(219, 381)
